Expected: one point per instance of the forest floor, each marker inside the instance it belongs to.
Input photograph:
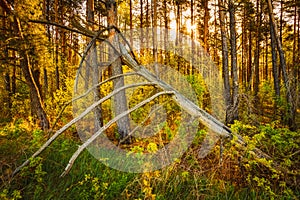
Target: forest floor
(238, 176)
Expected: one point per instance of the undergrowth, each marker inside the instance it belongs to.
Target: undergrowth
(234, 174)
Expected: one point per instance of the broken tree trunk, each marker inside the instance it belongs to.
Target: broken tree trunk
(212, 123)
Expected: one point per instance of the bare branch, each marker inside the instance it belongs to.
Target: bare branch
(86, 93)
(64, 27)
(73, 121)
(137, 127)
(91, 139)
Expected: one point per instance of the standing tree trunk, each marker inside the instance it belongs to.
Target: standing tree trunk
(206, 19)
(154, 35)
(249, 69)
(294, 65)
(141, 29)
(266, 71)
(8, 90)
(225, 69)
(216, 57)
(244, 49)
(45, 85)
(56, 46)
(147, 22)
(291, 106)
(274, 62)
(192, 37)
(257, 50)
(178, 28)
(93, 64)
(281, 20)
(130, 22)
(166, 23)
(120, 102)
(235, 80)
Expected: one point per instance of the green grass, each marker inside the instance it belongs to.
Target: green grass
(188, 178)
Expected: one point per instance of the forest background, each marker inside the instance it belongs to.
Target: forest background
(254, 44)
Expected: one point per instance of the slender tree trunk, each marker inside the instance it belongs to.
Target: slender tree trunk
(120, 102)
(298, 58)
(298, 54)
(56, 46)
(177, 41)
(93, 64)
(281, 20)
(8, 90)
(130, 22)
(291, 105)
(154, 34)
(257, 50)
(63, 45)
(192, 36)
(249, 69)
(14, 78)
(294, 68)
(225, 69)
(47, 16)
(235, 80)
(45, 85)
(215, 49)
(141, 27)
(206, 19)
(274, 62)
(244, 49)
(166, 39)
(266, 73)
(295, 34)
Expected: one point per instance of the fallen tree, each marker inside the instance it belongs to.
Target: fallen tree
(125, 52)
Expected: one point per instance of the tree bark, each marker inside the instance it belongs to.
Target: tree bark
(266, 71)
(8, 90)
(130, 22)
(141, 28)
(154, 35)
(243, 71)
(235, 80)
(45, 85)
(225, 68)
(93, 66)
(257, 50)
(274, 62)
(206, 19)
(249, 67)
(120, 102)
(56, 46)
(166, 39)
